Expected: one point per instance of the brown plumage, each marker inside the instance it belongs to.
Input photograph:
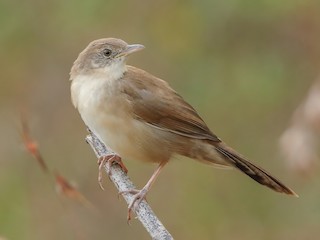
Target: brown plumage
(140, 117)
(166, 110)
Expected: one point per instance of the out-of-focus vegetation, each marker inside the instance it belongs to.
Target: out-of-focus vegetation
(243, 64)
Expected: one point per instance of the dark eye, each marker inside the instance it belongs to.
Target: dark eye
(107, 52)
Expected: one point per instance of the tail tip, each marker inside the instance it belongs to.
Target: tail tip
(290, 192)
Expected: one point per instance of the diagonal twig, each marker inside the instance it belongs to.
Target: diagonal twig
(122, 182)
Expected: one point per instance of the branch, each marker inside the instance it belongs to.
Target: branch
(299, 142)
(122, 182)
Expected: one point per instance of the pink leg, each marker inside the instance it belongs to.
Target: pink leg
(109, 159)
(139, 195)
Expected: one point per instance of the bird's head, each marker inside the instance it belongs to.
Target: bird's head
(103, 55)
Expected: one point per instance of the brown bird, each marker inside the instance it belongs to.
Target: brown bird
(140, 117)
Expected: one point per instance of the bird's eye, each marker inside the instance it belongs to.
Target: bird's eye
(107, 52)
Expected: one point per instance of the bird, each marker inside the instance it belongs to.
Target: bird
(140, 117)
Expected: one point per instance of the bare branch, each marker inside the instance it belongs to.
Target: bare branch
(66, 189)
(30, 144)
(298, 142)
(122, 182)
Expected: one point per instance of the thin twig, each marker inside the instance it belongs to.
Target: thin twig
(122, 182)
(299, 142)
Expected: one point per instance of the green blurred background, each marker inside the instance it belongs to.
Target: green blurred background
(244, 64)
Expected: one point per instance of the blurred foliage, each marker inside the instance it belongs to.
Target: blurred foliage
(243, 64)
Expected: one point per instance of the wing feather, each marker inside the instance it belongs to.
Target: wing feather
(162, 107)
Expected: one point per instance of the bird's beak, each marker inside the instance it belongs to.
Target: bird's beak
(130, 49)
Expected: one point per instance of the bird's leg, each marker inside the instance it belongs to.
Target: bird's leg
(139, 195)
(109, 159)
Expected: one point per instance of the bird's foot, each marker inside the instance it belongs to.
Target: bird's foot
(139, 195)
(109, 159)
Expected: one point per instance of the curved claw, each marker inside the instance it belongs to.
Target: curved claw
(101, 162)
(109, 159)
(131, 191)
(139, 195)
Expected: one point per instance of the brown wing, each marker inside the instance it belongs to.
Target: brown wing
(162, 107)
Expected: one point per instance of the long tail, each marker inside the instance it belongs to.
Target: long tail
(253, 171)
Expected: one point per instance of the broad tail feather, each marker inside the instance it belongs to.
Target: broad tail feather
(253, 171)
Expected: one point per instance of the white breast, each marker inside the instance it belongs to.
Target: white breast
(104, 111)
(92, 96)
